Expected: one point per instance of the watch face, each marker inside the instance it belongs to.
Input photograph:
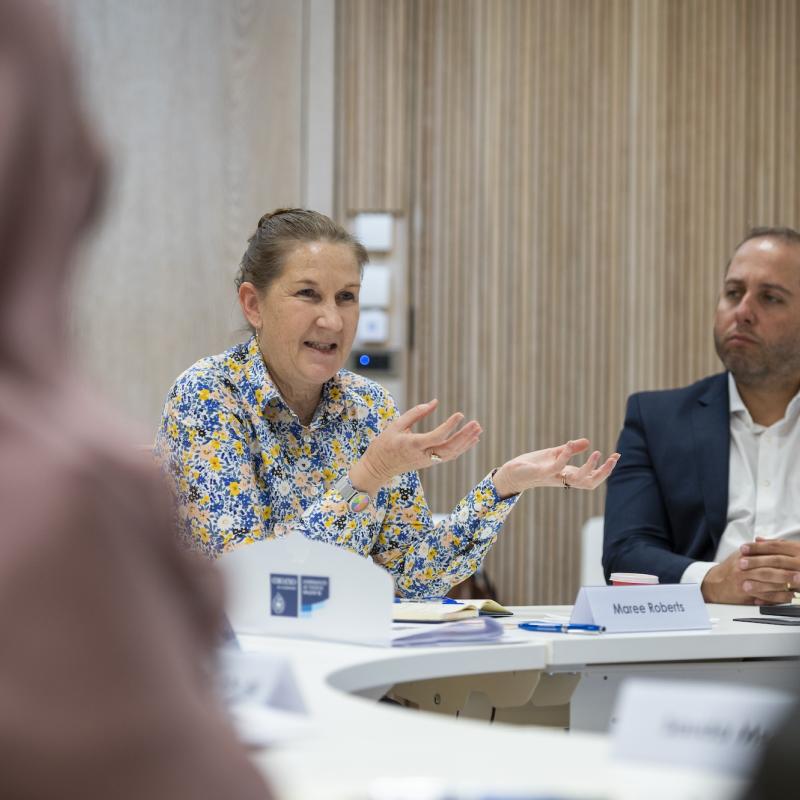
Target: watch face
(359, 501)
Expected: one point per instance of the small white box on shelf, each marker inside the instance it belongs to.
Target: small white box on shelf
(376, 286)
(374, 231)
(373, 326)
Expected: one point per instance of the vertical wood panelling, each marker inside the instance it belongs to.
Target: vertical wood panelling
(577, 174)
(373, 73)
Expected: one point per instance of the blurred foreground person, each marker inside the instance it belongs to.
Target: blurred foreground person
(777, 770)
(106, 628)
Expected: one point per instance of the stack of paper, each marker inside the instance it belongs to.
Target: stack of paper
(470, 631)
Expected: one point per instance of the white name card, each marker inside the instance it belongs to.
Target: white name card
(261, 679)
(293, 586)
(630, 609)
(721, 728)
(262, 698)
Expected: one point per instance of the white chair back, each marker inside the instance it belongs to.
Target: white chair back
(592, 553)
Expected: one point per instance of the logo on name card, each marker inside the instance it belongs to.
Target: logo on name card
(314, 592)
(283, 595)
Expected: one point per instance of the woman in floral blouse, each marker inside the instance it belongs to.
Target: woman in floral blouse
(274, 435)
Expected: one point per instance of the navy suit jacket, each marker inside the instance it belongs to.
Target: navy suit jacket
(667, 498)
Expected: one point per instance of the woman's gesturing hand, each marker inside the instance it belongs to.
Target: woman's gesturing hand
(398, 449)
(550, 468)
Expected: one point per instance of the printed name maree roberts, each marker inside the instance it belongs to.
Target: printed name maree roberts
(648, 608)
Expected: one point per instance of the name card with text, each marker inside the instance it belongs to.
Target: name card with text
(631, 609)
(721, 728)
(298, 587)
(262, 697)
(260, 679)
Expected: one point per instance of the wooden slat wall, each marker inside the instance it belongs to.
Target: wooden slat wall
(577, 174)
(373, 60)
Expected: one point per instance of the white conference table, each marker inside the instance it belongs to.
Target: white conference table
(734, 652)
(583, 673)
(354, 741)
(355, 747)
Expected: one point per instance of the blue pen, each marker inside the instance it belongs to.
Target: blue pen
(558, 627)
(448, 601)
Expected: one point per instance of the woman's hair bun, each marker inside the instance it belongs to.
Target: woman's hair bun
(276, 213)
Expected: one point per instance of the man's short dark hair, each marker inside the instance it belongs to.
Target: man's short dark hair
(781, 232)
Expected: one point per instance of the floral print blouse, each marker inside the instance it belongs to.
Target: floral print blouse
(245, 468)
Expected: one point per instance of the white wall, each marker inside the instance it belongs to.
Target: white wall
(212, 112)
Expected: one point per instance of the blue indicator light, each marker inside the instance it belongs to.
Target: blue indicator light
(363, 360)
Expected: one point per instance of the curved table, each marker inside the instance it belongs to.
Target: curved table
(356, 747)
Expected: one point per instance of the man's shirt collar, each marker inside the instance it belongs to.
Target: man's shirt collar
(739, 409)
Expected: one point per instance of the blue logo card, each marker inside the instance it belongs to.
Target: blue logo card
(283, 595)
(314, 591)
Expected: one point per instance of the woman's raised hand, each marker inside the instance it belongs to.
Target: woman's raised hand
(398, 449)
(550, 468)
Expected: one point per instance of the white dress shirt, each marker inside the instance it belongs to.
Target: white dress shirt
(763, 481)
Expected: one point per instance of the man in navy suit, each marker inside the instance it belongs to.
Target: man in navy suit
(708, 486)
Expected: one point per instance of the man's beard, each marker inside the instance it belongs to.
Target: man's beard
(762, 366)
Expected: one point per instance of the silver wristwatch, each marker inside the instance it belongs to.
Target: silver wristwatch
(355, 499)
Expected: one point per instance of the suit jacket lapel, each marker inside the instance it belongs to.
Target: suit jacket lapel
(712, 441)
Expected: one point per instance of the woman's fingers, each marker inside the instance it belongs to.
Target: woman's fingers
(447, 442)
(439, 435)
(412, 450)
(459, 442)
(601, 473)
(415, 414)
(577, 445)
(567, 451)
(586, 471)
(590, 476)
(462, 448)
